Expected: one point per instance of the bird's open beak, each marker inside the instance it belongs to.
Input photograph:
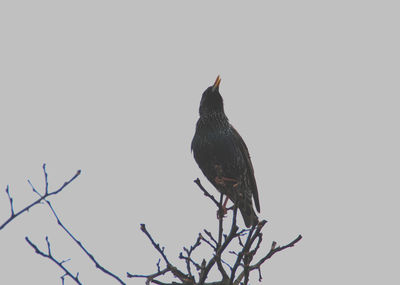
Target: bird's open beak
(216, 83)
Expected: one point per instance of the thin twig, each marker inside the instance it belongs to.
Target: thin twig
(11, 200)
(272, 251)
(207, 242)
(51, 257)
(155, 245)
(46, 189)
(249, 240)
(79, 243)
(151, 277)
(211, 237)
(251, 236)
(91, 257)
(220, 221)
(220, 250)
(39, 200)
(197, 181)
(177, 273)
(189, 259)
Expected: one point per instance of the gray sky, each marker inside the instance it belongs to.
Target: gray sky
(113, 88)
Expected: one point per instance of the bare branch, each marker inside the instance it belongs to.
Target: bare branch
(43, 198)
(151, 277)
(206, 193)
(220, 220)
(220, 249)
(189, 259)
(91, 257)
(251, 237)
(156, 245)
(274, 250)
(79, 243)
(257, 266)
(211, 237)
(39, 200)
(11, 200)
(207, 241)
(46, 189)
(51, 257)
(175, 271)
(249, 241)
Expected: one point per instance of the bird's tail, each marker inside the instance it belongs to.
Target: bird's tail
(249, 216)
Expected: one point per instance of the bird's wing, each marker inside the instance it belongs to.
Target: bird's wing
(226, 153)
(246, 156)
(218, 154)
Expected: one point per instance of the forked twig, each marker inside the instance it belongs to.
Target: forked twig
(248, 239)
(79, 243)
(50, 256)
(39, 200)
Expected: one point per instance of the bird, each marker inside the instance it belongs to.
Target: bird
(223, 156)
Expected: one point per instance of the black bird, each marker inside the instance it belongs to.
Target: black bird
(223, 156)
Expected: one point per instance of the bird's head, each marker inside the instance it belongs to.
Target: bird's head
(211, 101)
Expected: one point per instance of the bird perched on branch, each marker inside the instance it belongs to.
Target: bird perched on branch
(223, 156)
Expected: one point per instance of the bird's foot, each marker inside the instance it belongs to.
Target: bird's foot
(221, 213)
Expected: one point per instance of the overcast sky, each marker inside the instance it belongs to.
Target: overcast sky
(113, 88)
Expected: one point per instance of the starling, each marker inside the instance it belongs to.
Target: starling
(223, 156)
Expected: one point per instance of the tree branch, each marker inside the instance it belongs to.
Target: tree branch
(10, 199)
(206, 193)
(39, 200)
(248, 249)
(43, 198)
(51, 257)
(273, 250)
(189, 259)
(91, 257)
(174, 270)
(220, 249)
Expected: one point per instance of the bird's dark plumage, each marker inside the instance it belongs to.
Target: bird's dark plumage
(223, 156)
